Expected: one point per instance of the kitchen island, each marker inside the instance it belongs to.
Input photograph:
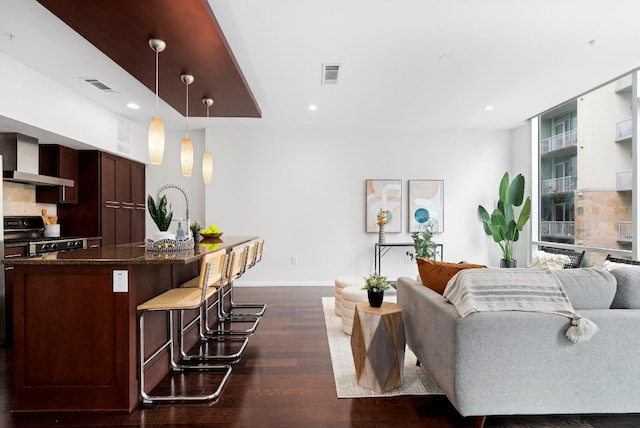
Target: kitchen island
(75, 323)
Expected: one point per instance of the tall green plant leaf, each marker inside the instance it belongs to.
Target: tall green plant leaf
(503, 190)
(516, 190)
(486, 220)
(525, 214)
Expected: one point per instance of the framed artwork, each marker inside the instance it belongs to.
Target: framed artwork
(426, 205)
(384, 195)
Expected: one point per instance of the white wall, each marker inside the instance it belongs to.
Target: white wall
(303, 191)
(37, 101)
(521, 164)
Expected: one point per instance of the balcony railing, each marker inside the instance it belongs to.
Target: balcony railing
(559, 185)
(624, 180)
(562, 229)
(624, 130)
(567, 139)
(625, 231)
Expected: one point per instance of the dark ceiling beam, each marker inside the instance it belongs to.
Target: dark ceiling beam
(121, 29)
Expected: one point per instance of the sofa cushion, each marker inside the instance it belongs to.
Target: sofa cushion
(628, 294)
(435, 275)
(548, 260)
(588, 288)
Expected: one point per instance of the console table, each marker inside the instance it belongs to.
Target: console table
(381, 249)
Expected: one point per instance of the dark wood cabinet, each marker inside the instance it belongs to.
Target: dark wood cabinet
(10, 252)
(58, 161)
(94, 242)
(111, 201)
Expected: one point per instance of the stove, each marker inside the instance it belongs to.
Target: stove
(30, 231)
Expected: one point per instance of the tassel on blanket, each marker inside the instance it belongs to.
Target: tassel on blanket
(581, 330)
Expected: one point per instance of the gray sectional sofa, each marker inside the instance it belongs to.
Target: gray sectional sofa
(502, 363)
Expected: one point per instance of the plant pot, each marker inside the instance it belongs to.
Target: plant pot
(508, 263)
(375, 298)
(164, 235)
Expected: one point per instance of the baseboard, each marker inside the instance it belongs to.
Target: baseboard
(283, 284)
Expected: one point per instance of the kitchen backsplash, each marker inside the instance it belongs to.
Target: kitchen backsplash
(20, 199)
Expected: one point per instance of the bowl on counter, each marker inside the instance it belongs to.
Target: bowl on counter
(210, 235)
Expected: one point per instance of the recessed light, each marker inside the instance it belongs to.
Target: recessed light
(312, 107)
(488, 108)
(133, 106)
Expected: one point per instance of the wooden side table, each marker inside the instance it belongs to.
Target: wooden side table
(378, 344)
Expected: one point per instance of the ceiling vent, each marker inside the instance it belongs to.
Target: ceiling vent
(330, 74)
(97, 84)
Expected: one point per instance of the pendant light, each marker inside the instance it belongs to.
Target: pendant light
(207, 157)
(186, 149)
(156, 128)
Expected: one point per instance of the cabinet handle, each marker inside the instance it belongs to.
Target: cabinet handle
(111, 204)
(9, 268)
(128, 205)
(64, 193)
(8, 256)
(94, 246)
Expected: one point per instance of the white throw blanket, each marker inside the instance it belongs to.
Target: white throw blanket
(533, 290)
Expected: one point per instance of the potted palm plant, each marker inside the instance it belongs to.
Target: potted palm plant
(504, 225)
(160, 215)
(376, 286)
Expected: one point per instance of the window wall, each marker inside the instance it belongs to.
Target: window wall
(586, 172)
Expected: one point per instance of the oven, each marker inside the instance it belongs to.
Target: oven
(29, 231)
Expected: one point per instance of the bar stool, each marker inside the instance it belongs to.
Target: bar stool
(181, 299)
(235, 270)
(207, 341)
(254, 254)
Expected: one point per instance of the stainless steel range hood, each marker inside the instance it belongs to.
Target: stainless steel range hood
(21, 161)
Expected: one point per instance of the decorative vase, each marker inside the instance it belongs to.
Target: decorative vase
(381, 234)
(508, 263)
(375, 298)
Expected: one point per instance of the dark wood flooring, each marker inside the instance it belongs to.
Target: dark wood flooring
(285, 380)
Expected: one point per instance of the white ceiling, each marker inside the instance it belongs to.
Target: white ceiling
(405, 63)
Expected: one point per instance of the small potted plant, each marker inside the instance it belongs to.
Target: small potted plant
(423, 245)
(375, 286)
(160, 215)
(195, 229)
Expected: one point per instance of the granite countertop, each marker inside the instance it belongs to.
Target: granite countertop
(135, 253)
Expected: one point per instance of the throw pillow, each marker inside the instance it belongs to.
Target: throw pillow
(628, 294)
(543, 259)
(435, 275)
(608, 265)
(588, 288)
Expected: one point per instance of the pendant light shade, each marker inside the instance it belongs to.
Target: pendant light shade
(207, 157)
(156, 141)
(186, 149)
(186, 157)
(207, 167)
(156, 128)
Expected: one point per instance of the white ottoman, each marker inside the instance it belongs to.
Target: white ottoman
(353, 295)
(343, 282)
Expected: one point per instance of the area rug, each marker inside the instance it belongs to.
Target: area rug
(415, 379)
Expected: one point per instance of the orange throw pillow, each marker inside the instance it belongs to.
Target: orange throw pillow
(435, 275)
